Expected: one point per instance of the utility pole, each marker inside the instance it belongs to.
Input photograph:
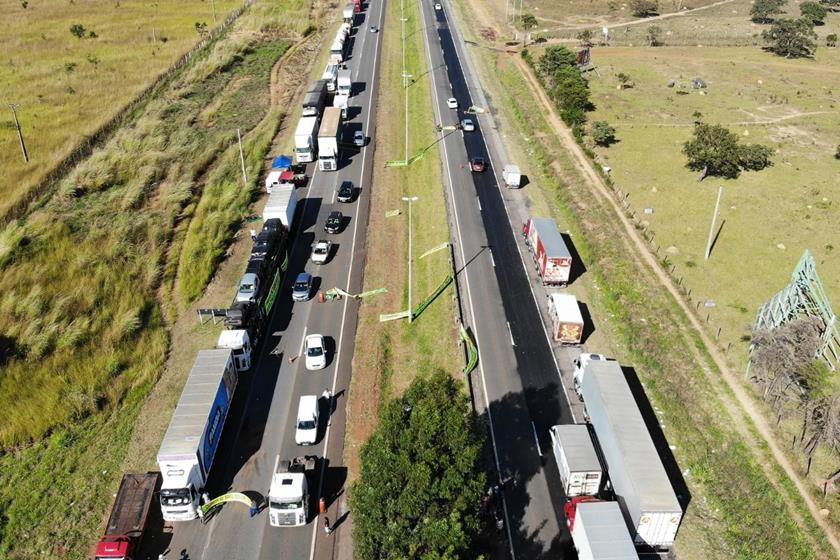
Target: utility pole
(712, 227)
(13, 107)
(242, 158)
(409, 199)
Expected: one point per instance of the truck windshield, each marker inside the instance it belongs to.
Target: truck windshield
(285, 505)
(306, 424)
(246, 288)
(177, 497)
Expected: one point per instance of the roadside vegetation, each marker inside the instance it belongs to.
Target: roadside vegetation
(89, 281)
(71, 66)
(390, 355)
(430, 445)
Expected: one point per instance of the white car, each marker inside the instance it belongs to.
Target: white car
(467, 125)
(373, 29)
(359, 138)
(437, 7)
(316, 354)
(452, 103)
(306, 432)
(321, 251)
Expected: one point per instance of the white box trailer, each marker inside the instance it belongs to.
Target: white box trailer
(635, 470)
(281, 204)
(329, 136)
(550, 253)
(512, 176)
(331, 75)
(599, 532)
(306, 139)
(566, 319)
(577, 460)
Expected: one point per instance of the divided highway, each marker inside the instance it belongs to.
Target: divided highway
(262, 421)
(519, 376)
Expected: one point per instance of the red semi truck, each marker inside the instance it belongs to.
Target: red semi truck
(357, 6)
(129, 516)
(550, 253)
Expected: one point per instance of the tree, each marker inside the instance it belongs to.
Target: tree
(754, 157)
(791, 38)
(644, 8)
(554, 58)
(585, 37)
(813, 12)
(831, 40)
(602, 133)
(714, 150)
(653, 36)
(528, 21)
(421, 478)
(571, 93)
(762, 11)
(837, 152)
(78, 30)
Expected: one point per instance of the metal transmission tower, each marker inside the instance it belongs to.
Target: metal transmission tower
(804, 296)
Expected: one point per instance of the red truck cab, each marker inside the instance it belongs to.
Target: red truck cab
(129, 517)
(570, 509)
(357, 6)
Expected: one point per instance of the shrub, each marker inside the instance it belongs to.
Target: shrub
(644, 8)
(602, 133)
(78, 30)
(716, 151)
(762, 11)
(813, 12)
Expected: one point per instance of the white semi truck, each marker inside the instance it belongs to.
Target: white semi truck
(288, 496)
(329, 136)
(306, 139)
(331, 75)
(192, 439)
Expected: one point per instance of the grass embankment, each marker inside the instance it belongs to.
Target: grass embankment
(82, 307)
(67, 87)
(735, 509)
(389, 355)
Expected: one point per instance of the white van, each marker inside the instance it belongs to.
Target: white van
(306, 431)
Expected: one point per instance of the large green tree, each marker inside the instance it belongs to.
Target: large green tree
(714, 150)
(554, 58)
(571, 93)
(421, 478)
(791, 38)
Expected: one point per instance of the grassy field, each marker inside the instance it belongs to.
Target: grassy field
(66, 87)
(390, 355)
(87, 281)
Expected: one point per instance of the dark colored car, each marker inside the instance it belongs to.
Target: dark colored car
(302, 287)
(334, 222)
(345, 192)
(477, 164)
(266, 243)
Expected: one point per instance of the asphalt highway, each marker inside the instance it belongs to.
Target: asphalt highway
(261, 424)
(519, 377)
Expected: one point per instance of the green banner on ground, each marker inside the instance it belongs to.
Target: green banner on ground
(393, 316)
(440, 247)
(472, 351)
(392, 213)
(224, 498)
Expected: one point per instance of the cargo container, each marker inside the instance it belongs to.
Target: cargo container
(348, 13)
(315, 99)
(577, 460)
(550, 253)
(566, 320)
(512, 176)
(281, 204)
(598, 530)
(306, 139)
(191, 441)
(331, 75)
(329, 137)
(635, 470)
(129, 517)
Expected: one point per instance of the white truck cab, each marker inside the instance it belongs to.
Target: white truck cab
(238, 341)
(179, 496)
(580, 367)
(288, 496)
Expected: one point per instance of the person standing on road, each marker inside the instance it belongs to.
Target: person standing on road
(327, 527)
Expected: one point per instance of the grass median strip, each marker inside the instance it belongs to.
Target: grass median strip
(390, 355)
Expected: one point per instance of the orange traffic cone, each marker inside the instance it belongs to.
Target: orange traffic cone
(322, 506)
(321, 296)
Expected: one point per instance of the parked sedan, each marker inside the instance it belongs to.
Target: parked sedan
(477, 164)
(321, 251)
(345, 192)
(467, 125)
(302, 287)
(438, 7)
(316, 353)
(334, 222)
(359, 138)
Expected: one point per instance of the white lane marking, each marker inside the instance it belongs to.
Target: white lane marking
(315, 526)
(536, 439)
(510, 332)
(436, 103)
(302, 341)
(456, 45)
(478, 200)
(492, 260)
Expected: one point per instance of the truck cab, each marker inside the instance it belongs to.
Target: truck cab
(580, 366)
(240, 342)
(288, 496)
(179, 494)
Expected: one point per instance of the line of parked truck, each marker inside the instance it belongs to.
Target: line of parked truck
(190, 445)
(619, 497)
